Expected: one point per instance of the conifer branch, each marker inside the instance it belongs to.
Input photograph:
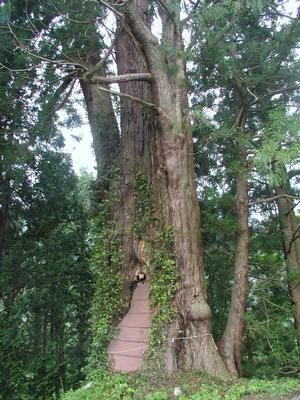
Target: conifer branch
(36, 56)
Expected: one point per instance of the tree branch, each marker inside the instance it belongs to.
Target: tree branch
(30, 53)
(83, 21)
(133, 98)
(284, 89)
(280, 14)
(294, 238)
(165, 7)
(286, 44)
(269, 199)
(145, 76)
(91, 72)
(292, 208)
(111, 8)
(293, 173)
(142, 32)
(190, 13)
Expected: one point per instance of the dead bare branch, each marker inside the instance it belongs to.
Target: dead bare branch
(133, 98)
(280, 14)
(111, 8)
(284, 89)
(119, 78)
(270, 199)
(295, 237)
(90, 73)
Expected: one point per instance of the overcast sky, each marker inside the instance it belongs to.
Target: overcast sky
(81, 152)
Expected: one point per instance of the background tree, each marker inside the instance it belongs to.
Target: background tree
(242, 88)
(277, 161)
(46, 286)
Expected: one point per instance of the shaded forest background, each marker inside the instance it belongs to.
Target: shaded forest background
(62, 254)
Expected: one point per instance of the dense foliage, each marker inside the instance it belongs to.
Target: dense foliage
(108, 299)
(46, 284)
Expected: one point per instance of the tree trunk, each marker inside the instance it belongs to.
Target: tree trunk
(103, 125)
(129, 151)
(291, 241)
(173, 183)
(101, 115)
(231, 343)
(136, 127)
(5, 194)
(3, 221)
(171, 178)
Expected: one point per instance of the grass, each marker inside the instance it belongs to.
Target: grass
(193, 386)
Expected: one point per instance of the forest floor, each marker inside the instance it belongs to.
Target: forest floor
(184, 386)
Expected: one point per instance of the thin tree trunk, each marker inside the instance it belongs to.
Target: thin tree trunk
(103, 125)
(231, 343)
(101, 115)
(174, 183)
(290, 229)
(3, 222)
(5, 179)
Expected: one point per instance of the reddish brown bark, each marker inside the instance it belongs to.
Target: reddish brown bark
(174, 186)
(172, 178)
(132, 155)
(231, 343)
(136, 127)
